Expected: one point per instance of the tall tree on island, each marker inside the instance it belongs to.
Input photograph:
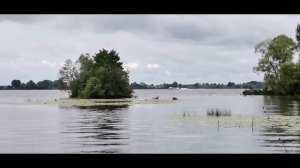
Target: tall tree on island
(99, 76)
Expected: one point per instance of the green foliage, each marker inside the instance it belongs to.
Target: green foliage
(281, 74)
(45, 84)
(108, 59)
(196, 85)
(16, 84)
(298, 33)
(42, 85)
(231, 84)
(255, 92)
(274, 53)
(30, 85)
(100, 76)
(174, 84)
(92, 89)
(68, 75)
(23, 86)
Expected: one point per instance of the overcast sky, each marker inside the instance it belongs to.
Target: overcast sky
(154, 48)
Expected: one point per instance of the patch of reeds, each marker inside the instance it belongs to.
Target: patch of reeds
(188, 114)
(218, 112)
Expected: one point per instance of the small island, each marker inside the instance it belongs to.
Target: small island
(98, 77)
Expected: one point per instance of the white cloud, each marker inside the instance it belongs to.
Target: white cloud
(131, 65)
(45, 62)
(153, 66)
(52, 64)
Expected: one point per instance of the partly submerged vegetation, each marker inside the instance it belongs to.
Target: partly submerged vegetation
(256, 92)
(243, 121)
(98, 77)
(218, 112)
(106, 102)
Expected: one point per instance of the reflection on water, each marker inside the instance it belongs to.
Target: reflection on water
(282, 139)
(283, 105)
(99, 129)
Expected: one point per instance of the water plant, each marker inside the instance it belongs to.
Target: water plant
(186, 114)
(218, 112)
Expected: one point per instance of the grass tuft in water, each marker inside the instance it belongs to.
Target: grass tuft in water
(188, 114)
(218, 112)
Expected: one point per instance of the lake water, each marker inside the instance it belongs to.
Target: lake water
(29, 126)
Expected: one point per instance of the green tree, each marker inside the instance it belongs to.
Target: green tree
(286, 78)
(174, 84)
(55, 84)
(92, 89)
(45, 84)
(16, 84)
(23, 86)
(108, 59)
(230, 84)
(274, 53)
(68, 80)
(196, 85)
(100, 76)
(30, 85)
(298, 33)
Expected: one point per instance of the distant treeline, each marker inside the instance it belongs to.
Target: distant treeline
(48, 84)
(30, 85)
(229, 85)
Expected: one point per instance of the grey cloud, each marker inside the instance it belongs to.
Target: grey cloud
(188, 31)
(193, 48)
(25, 18)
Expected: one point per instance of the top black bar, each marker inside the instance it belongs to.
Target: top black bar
(149, 7)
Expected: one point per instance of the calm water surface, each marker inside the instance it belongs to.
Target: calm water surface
(29, 126)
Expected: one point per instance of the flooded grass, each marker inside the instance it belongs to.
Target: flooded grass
(243, 121)
(96, 102)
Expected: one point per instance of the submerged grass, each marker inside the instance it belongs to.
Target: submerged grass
(95, 102)
(243, 121)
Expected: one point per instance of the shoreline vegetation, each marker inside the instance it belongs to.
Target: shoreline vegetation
(265, 92)
(31, 85)
(53, 85)
(278, 64)
(255, 92)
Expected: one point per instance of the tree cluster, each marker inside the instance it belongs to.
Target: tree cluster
(277, 62)
(229, 85)
(98, 76)
(30, 85)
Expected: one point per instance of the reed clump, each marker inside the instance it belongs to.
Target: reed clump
(218, 112)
